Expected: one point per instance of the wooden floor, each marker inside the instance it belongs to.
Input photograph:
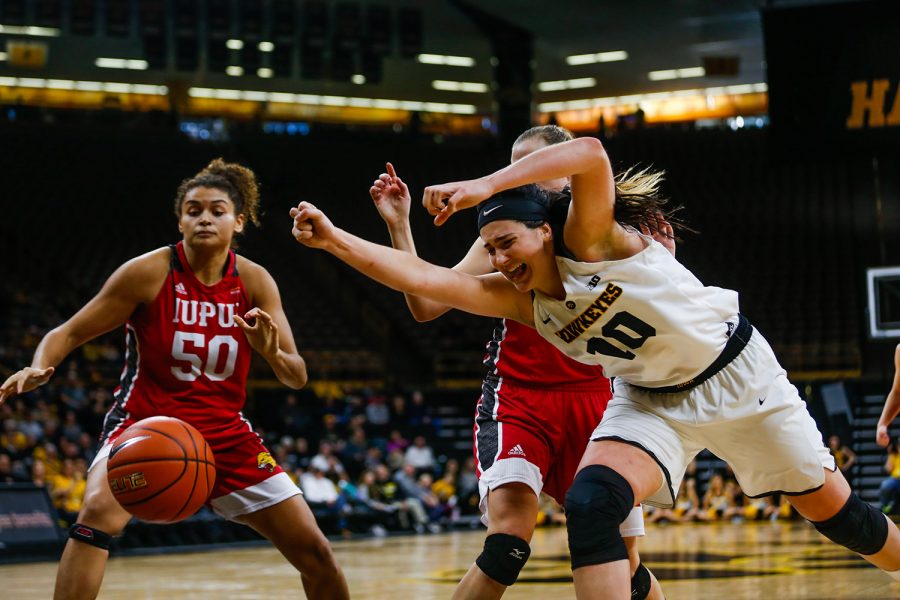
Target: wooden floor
(783, 561)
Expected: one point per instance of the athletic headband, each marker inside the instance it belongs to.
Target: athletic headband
(513, 207)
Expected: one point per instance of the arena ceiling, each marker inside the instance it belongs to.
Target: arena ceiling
(674, 37)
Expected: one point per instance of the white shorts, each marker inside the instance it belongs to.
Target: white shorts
(747, 414)
(518, 470)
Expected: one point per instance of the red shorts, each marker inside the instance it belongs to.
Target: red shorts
(247, 477)
(534, 436)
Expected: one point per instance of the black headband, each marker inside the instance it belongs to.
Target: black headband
(512, 207)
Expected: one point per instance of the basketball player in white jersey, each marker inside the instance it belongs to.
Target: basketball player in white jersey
(691, 372)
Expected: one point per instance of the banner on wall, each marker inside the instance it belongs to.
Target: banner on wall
(834, 73)
(27, 520)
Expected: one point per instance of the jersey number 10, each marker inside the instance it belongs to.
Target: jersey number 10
(214, 349)
(613, 329)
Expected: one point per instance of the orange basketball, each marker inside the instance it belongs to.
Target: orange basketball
(161, 470)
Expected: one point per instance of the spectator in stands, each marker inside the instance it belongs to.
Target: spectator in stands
(773, 445)
(9, 473)
(326, 461)
(353, 455)
(165, 297)
(378, 415)
(716, 501)
(419, 413)
(420, 455)
(39, 473)
(294, 418)
(890, 487)
(379, 513)
(67, 489)
(319, 490)
(396, 441)
(300, 455)
(843, 455)
(388, 495)
(399, 412)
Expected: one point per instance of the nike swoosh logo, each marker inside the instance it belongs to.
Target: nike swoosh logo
(761, 400)
(487, 212)
(116, 449)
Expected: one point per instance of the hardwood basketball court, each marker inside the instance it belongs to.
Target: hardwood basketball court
(784, 561)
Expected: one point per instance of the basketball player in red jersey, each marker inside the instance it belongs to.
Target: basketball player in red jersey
(536, 413)
(192, 313)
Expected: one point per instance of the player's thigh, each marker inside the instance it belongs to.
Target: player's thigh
(291, 527)
(513, 510)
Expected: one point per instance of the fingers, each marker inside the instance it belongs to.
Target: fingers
(242, 323)
(392, 173)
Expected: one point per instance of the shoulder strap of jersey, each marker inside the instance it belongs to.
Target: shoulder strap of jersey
(174, 262)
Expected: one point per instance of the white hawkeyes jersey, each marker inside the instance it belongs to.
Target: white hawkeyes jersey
(645, 318)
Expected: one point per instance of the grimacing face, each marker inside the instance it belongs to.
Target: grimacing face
(517, 251)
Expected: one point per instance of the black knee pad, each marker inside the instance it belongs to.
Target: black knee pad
(91, 536)
(857, 526)
(640, 583)
(597, 503)
(503, 557)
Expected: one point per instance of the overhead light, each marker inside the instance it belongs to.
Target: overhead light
(735, 90)
(459, 86)
(266, 46)
(265, 72)
(599, 57)
(316, 100)
(358, 79)
(234, 70)
(566, 84)
(30, 30)
(443, 59)
(2, 55)
(234, 44)
(85, 86)
(676, 73)
(121, 63)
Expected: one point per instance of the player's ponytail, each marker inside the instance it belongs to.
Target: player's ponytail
(237, 181)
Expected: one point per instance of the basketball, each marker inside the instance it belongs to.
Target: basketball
(161, 470)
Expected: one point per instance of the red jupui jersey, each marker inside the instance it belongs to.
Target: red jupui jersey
(186, 357)
(518, 353)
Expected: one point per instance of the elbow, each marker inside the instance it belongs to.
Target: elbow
(423, 316)
(592, 151)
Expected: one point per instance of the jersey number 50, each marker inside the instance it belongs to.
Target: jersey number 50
(214, 349)
(613, 329)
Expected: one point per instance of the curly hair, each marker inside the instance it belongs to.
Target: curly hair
(237, 181)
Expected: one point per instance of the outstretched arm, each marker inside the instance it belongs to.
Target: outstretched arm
(135, 282)
(392, 200)
(488, 295)
(891, 405)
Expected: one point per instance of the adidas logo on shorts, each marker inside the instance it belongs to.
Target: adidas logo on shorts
(516, 451)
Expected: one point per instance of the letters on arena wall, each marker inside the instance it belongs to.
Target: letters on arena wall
(834, 74)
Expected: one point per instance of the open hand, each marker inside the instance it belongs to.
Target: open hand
(23, 381)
